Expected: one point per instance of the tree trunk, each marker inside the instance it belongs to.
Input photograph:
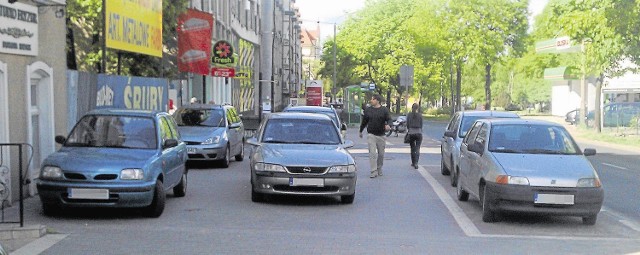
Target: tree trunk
(487, 87)
(458, 85)
(598, 106)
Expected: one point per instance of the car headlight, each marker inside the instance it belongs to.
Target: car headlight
(514, 180)
(589, 183)
(51, 172)
(212, 140)
(131, 174)
(343, 169)
(265, 167)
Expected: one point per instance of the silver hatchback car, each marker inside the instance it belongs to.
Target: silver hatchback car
(528, 166)
(301, 154)
(212, 132)
(456, 130)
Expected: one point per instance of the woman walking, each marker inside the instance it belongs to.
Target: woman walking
(414, 123)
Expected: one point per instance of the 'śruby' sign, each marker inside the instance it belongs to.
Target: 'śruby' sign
(223, 72)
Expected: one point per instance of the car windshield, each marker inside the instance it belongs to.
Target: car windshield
(333, 117)
(305, 131)
(200, 117)
(531, 139)
(468, 121)
(113, 131)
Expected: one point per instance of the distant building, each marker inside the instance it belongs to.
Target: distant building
(311, 47)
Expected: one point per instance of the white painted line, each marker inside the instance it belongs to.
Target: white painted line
(40, 244)
(461, 218)
(614, 166)
(622, 219)
(471, 230)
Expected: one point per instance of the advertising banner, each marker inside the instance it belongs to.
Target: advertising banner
(135, 26)
(314, 93)
(194, 41)
(128, 92)
(18, 28)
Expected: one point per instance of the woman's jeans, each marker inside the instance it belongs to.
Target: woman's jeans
(415, 140)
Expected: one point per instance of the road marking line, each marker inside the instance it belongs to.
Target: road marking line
(471, 230)
(614, 166)
(461, 218)
(39, 245)
(622, 219)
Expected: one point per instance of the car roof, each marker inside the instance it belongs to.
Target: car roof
(514, 121)
(203, 106)
(298, 115)
(308, 108)
(502, 114)
(124, 112)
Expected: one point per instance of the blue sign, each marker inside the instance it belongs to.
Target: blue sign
(128, 92)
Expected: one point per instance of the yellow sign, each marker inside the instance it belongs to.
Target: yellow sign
(135, 26)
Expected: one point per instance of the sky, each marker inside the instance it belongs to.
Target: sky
(335, 11)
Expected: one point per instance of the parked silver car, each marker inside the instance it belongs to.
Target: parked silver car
(458, 126)
(329, 111)
(528, 166)
(301, 154)
(212, 132)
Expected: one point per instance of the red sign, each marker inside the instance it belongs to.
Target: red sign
(194, 41)
(223, 72)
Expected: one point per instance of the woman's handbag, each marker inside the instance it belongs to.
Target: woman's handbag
(406, 138)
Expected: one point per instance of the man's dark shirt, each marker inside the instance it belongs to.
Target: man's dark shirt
(375, 119)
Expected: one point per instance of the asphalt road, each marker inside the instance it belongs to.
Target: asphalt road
(406, 211)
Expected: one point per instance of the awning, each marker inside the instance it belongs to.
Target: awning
(560, 73)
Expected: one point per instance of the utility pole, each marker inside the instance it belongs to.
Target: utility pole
(335, 71)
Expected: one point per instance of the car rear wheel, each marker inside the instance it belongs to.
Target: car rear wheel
(348, 199)
(454, 177)
(488, 215)
(156, 207)
(240, 156)
(443, 168)
(180, 190)
(590, 220)
(227, 157)
(461, 194)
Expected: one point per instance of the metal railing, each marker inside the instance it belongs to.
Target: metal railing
(4, 188)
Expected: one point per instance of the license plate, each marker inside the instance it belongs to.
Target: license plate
(553, 199)
(317, 182)
(88, 193)
(191, 150)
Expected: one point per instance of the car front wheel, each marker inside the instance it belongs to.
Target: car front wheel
(443, 168)
(180, 190)
(488, 215)
(590, 220)
(156, 207)
(348, 199)
(227, 157)
(461, 194)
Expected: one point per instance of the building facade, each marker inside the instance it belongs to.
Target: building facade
(33, 96)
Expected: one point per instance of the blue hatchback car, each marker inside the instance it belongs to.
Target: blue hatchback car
(116, 158)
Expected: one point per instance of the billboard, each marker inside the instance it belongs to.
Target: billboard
(314, 93)
(129, 92)
(135, 26)
(194, 41)
(18, 28)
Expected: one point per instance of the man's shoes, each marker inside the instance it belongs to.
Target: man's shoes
(415, 166)
(379, 173)
(373, 175)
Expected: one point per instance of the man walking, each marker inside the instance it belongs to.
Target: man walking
(376, 119)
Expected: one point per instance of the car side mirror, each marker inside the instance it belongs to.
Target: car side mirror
(347, 144)
(253, 141)
(170, 143)
(589, 152)
(476, 147)
(234, 125)
(60, 139)
(451, 134)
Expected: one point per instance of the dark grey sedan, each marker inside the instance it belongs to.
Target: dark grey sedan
(528, 166)
(301, 154)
